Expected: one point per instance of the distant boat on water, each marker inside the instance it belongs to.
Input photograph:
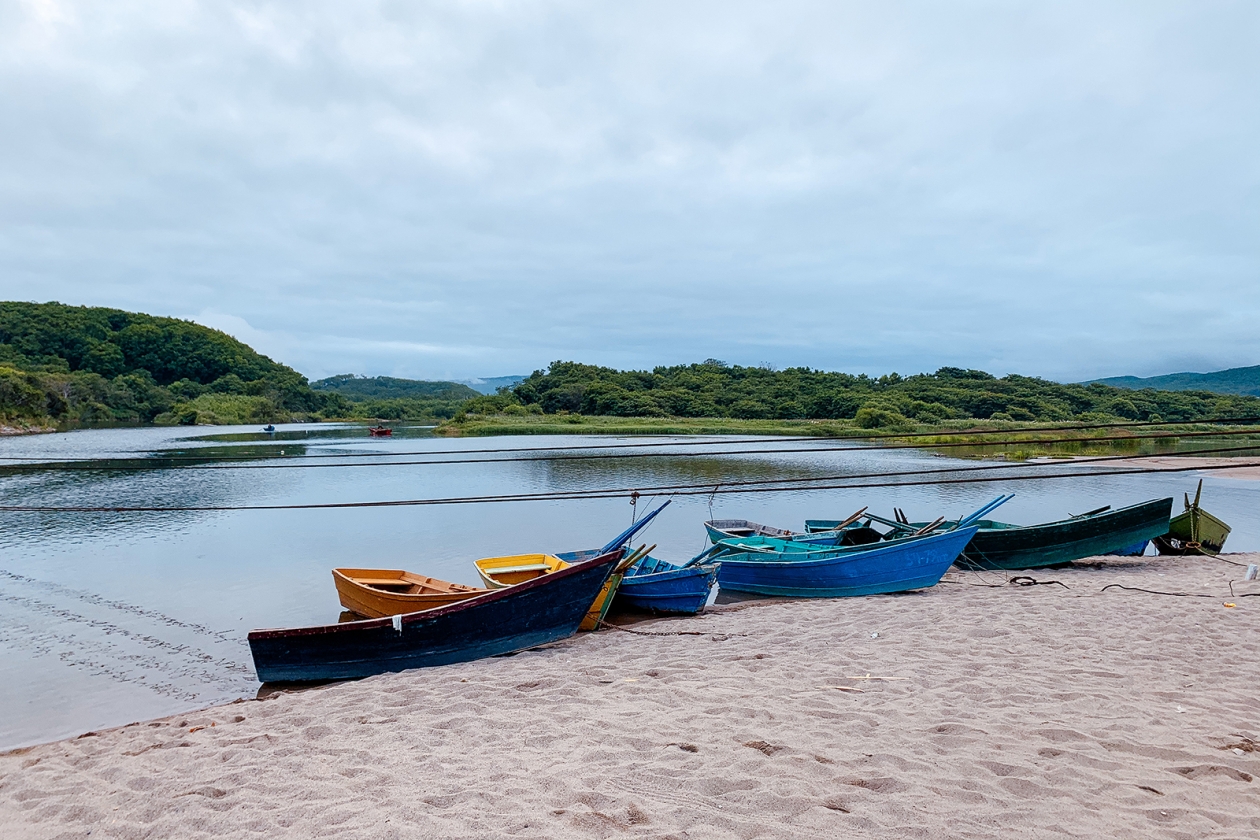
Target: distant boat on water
(380, 431)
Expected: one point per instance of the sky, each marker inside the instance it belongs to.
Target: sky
(462, 189)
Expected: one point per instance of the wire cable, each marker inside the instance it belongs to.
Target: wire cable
(577, 495)
(139, 464)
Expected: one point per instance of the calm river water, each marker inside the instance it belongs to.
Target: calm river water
(111, 618)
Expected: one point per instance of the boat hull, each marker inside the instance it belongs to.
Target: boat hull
(1194, 531)
(1056, 543)
(502, 621)
(894, 566)
(604, 600)
(668, 589)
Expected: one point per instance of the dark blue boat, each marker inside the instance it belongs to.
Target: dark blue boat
(894, 566)
(661, 586)
(514, 618)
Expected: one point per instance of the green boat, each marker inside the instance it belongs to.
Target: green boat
(999, 545)
(1194, 531)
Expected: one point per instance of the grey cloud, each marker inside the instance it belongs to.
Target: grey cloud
(461, 189)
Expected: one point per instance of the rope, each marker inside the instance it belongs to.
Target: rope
(602, 623)
(1177, 594)
(1017, 580)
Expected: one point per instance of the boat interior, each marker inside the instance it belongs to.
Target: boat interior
(519, 568)
(402, 582)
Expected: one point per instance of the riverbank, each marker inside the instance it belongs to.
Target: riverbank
(8, 431)
(961, 711)
(1011, 440)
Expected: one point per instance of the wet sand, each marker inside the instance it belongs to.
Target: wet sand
(1216, 467)
(962, 711)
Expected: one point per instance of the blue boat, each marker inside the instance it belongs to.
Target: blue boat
(660, 586)
(798, 571)
(841, 532)
(514, 618)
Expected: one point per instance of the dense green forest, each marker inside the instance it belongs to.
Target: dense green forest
(1244, 380)
(387, 398)
(90, 365)
(67, 365)
(716, 389)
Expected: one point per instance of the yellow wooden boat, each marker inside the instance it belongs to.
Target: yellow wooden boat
(376, 593)
(498, 572)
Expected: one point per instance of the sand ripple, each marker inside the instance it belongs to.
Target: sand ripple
(989, 712)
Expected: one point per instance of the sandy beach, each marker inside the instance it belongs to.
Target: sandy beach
(1215, 467)
(961, 711)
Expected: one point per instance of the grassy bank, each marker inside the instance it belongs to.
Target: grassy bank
(1021, 439)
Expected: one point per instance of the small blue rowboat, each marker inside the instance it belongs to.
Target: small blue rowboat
(661, 586)
(893, 566)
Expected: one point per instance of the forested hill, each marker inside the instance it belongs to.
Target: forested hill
(360, 388)
(95, 365)
(1244, 380)
(716, 389)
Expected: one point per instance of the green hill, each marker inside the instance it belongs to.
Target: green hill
(86, 365)
(388, 398)
(1243, 380)
(359, 388)
(715, 389)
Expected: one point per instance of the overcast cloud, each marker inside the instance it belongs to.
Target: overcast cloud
(453, 189)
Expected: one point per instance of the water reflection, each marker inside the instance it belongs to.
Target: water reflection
(107, 618)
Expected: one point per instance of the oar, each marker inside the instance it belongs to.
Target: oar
(634, 557)
(628, 534)
(711, 550)
(889, 522)
(927, 529)
(1094, 512)
(985, 509)
(845, 524)
(978, 514)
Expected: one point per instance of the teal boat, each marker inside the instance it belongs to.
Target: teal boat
(1000, 545)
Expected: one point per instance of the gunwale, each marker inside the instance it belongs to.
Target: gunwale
(490, 595)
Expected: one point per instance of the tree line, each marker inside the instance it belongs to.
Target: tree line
(94, 365)
(715, 389)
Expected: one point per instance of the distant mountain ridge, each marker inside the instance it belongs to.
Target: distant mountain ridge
(1244, 381)
(492, 384)
(360, 388)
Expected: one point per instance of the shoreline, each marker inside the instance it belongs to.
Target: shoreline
(13, 431)
(990, 710)
(1220, 466)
